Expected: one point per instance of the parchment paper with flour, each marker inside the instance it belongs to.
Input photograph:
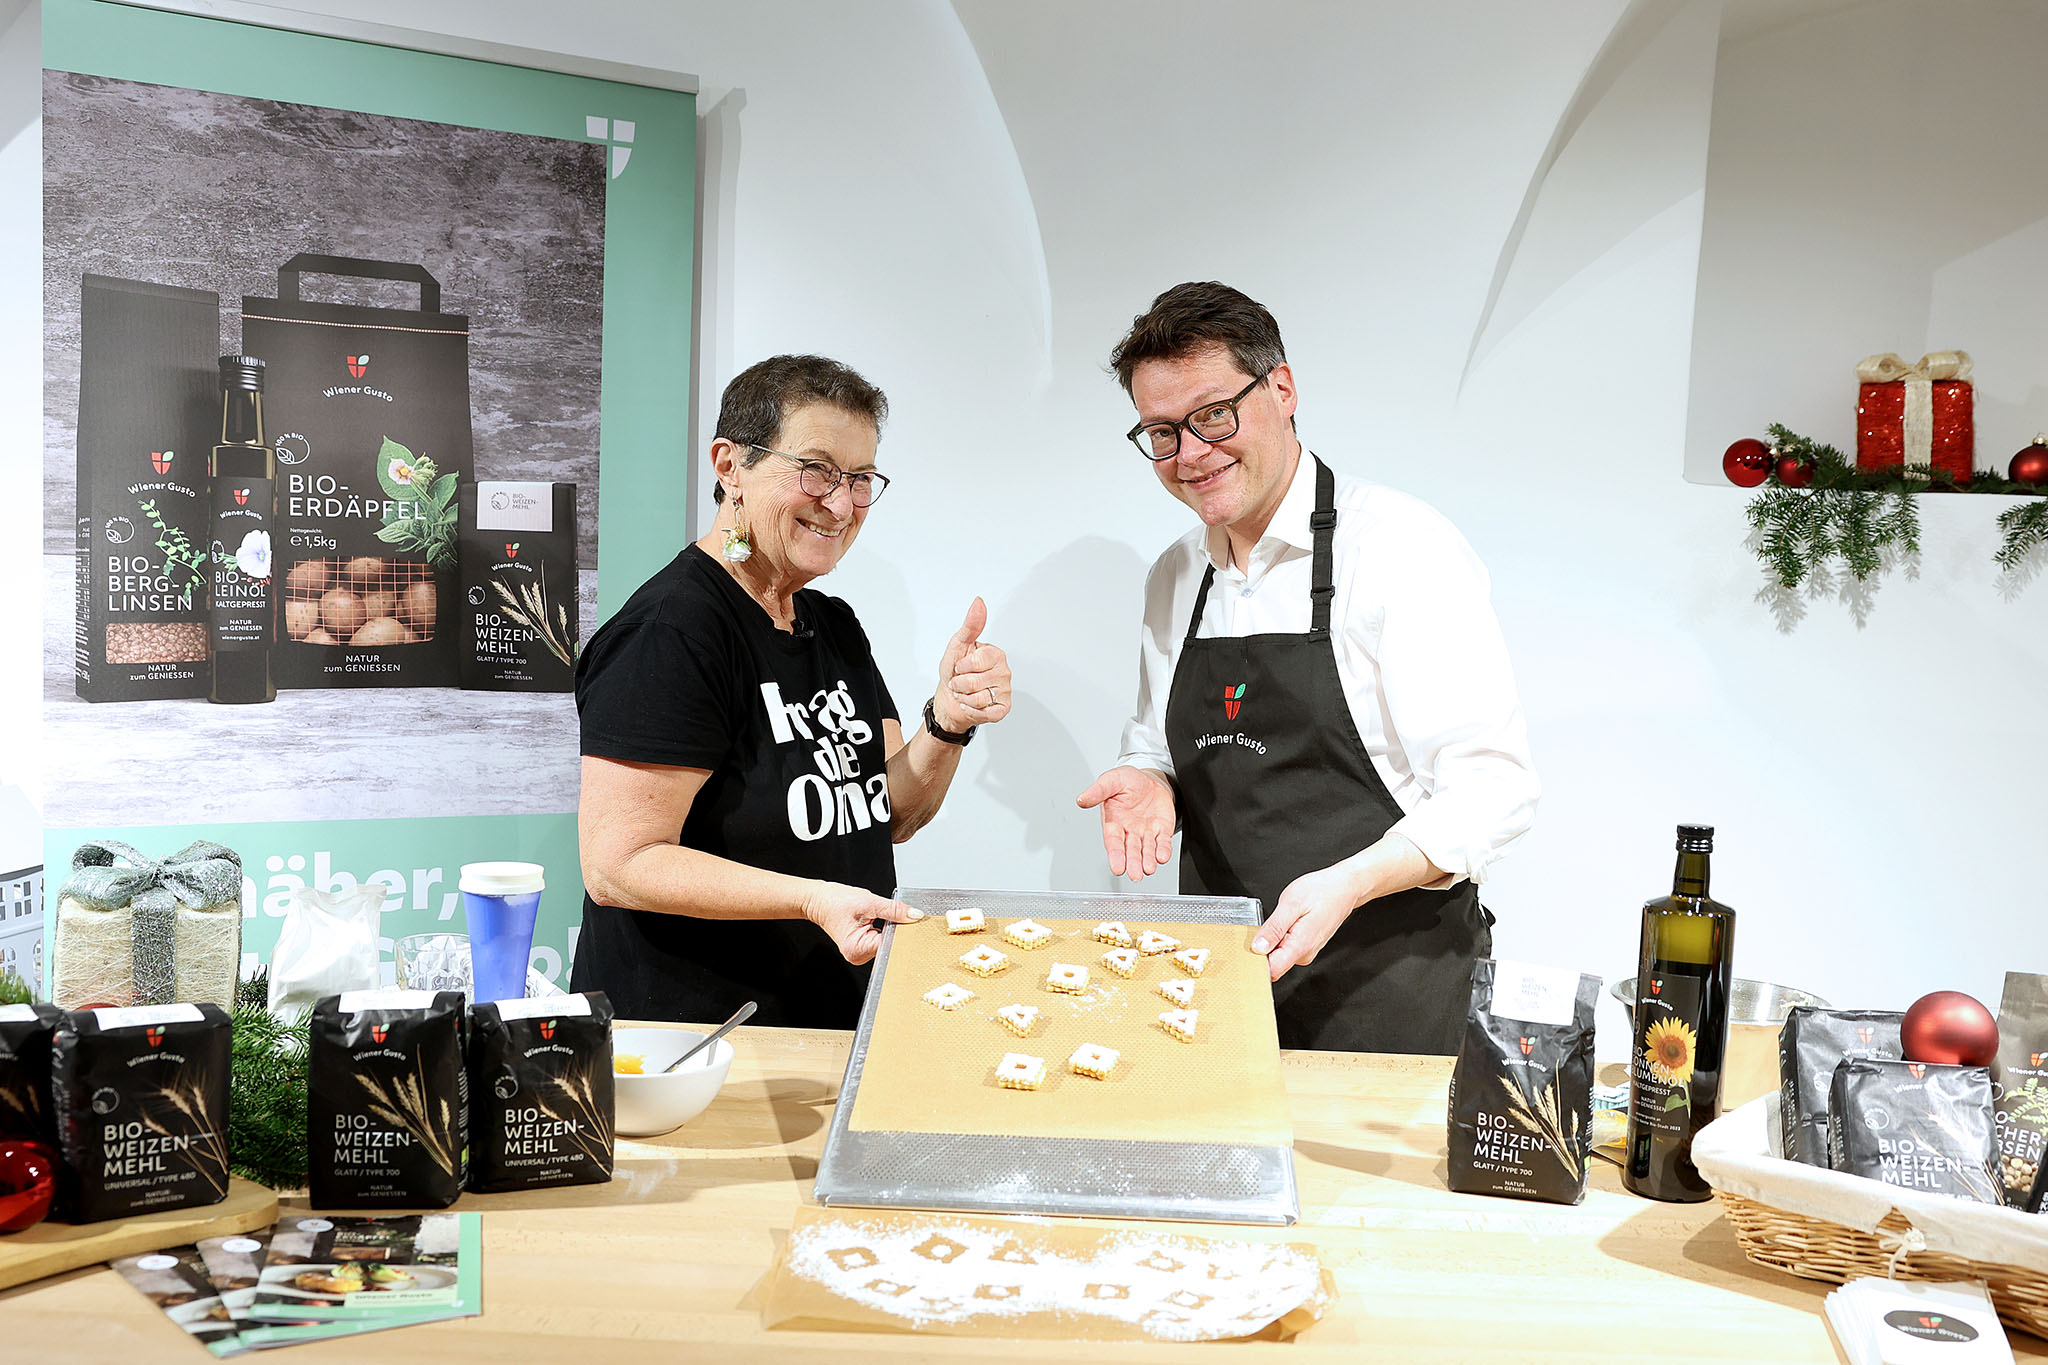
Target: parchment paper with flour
(1033, 1278)
(933, 1071)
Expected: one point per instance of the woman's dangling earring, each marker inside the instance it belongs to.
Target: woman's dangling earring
(738, 549)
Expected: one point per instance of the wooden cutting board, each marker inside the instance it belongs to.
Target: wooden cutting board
(48, 1248)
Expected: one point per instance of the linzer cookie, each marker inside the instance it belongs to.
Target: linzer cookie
(141, 1101)
(1916, 1125)
(387, 1121)
(1811, 1044)
(2019, 1081)
(541, 1096)
(27, 1033)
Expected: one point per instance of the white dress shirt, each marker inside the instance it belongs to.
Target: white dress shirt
(1419, 654)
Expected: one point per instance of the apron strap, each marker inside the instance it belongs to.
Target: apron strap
(1201, 601)
(1323, 522)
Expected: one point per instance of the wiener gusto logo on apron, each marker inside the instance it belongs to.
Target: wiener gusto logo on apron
(836, 799)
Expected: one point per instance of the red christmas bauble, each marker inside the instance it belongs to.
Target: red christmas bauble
(28, 1182)
(1949, 1028)
(2031, 464)
(1795, 471)
(1747, 463)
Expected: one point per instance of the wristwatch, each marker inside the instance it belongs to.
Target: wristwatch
(938, 732)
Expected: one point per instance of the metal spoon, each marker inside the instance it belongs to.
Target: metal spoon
(739, 1016)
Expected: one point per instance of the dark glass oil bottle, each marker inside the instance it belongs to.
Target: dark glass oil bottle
(243, 473)
(1683, 981)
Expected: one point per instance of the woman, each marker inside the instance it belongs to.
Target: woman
(744, 770)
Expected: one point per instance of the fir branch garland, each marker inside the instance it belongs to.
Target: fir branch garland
(267, 1091)
(1866, 519)
(2026, 531)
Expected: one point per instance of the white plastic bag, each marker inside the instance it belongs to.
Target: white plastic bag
(327, 945)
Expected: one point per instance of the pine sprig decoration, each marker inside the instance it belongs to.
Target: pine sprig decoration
(14, 990)
(2026, 531)
(1799, 531)
(1865, 519)
(267, 1091)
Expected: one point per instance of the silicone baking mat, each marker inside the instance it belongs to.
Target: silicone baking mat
(1188, 1131)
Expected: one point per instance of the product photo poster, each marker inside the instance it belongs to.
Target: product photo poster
(455, 282)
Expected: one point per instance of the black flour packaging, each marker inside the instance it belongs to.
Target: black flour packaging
(1811, 1044)
(1521, 1102)
(368, 407)
(141, 1098)
(1917, 1125)
(519, 587)
(2019, 1083)
(27, 1033)
(148, 412)
(387, 1122)
(541, 1097)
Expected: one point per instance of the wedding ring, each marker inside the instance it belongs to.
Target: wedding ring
(991, 696)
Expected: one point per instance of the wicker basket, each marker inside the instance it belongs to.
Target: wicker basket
(1819, 1250)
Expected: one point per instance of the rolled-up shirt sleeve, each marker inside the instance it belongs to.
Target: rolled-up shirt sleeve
(1449, 706)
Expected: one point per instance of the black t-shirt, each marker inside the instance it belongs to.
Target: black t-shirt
(693, 673)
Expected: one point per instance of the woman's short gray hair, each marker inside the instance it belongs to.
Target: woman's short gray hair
(761, 397)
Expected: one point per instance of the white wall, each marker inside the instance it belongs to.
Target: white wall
(950, 198)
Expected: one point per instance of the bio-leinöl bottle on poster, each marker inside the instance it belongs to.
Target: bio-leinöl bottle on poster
(1683, 982)
(243, 474)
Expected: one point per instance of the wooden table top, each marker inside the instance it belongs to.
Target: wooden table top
(668, 1260)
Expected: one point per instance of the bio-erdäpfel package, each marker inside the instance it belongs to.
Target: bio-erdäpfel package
(368, 407)
(141, 1097)
(519, 612)
(148, 411)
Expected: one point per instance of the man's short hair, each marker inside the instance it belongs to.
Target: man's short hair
(760, 398)
(1190, 318)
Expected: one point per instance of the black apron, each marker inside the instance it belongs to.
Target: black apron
(1274, 782)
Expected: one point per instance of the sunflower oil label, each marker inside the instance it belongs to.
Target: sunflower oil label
(1668, 1010)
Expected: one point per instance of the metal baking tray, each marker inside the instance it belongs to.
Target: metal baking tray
(1081, 1177)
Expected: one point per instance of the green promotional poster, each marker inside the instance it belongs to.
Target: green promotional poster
(366, 385)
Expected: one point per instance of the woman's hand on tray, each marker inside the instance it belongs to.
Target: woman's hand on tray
(854, 917)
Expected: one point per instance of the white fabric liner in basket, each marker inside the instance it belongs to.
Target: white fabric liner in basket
(1739, 1154)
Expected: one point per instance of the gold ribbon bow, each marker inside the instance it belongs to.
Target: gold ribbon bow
(1919, 380)
(1888, 368)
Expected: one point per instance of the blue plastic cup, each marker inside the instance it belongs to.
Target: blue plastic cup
(500, 901)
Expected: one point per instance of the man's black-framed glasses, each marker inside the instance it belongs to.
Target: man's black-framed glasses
(1212, 422)
(818, 478)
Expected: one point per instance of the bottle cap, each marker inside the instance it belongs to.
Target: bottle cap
(500, 879)
(1696, 838)
(241, 372)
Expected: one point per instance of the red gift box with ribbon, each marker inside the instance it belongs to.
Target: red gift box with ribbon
(1921, 416)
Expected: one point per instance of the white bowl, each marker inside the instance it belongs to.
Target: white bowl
(659, 1101)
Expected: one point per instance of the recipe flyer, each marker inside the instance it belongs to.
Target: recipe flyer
(315, 1279)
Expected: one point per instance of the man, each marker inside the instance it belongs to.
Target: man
(1325, 706)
